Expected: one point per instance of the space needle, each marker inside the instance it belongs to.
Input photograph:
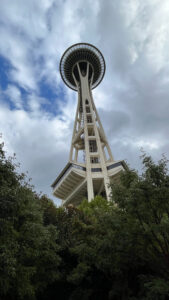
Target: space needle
(91, 167)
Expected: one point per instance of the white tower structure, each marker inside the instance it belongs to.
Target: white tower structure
(91, 167)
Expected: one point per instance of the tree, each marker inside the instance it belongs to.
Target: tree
(99, 250)
(144, 201)
(121, 247)
(28, 249)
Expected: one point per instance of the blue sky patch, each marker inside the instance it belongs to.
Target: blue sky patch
(5, 66)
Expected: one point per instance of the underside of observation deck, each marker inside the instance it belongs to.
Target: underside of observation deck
(80, 53)
(71, 184)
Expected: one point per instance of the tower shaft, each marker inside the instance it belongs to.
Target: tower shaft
(88, 135)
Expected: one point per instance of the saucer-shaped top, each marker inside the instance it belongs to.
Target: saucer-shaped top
(79, 53)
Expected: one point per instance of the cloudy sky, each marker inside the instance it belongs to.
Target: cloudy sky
(37, 110)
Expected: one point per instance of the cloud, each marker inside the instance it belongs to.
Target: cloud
(37, 110)
(40, 143)
(14, 95)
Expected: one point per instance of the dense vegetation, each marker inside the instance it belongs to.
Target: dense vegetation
(101, 250)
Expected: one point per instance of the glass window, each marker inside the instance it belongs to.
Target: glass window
(94, 160)
(89, 119)
(92, 146)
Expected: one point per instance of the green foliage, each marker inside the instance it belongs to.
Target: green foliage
(28, 250)
(97, 204)
(100, 250)
(121, 247)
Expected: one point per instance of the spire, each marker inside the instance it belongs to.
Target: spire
(91, 167)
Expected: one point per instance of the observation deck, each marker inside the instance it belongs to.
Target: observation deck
(81, 53)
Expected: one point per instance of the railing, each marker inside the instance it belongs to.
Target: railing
(118, 164)
(96, 169)
(78, 167)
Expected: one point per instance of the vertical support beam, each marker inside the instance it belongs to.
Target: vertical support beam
(74, 129)
(85, 95)
(76, 154)
(101, 127)
(102, 161)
